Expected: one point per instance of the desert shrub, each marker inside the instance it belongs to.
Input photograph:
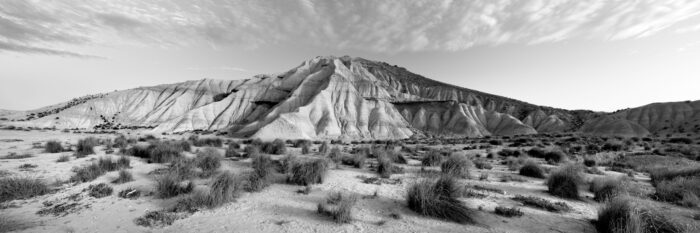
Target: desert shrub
(531, 169)
(510, 153)
(338, 207)
(384, 166)
(456, 165)
(658, 175)
(680, 140)
(542, 203)
(605, 188)
(276, 147)
(183, 145)
(482, 164)
(252, 150)
(555, 156)
(158, 218)
(163, 152)
(355, 160)
(99, 190)
(87, 173)
(224, 189)
(14, 155)
(612, 146)
(53, 147)
(536, 152)
(168, 186)
(262, 173)
(129, 193)
(138, 151)
(323, 149)
(86, 147)
(620, 215)
(182, 169)
(439, 199)
(120, 142)
(306, 148)
(393, 156)
(13, 188)
(232, 151)
(124, 177)
(213, 142)
(308, 172)
(107, 164)
(432, 158)
(209, 161)
(63, 158)
(508, 212)
(589, 162)
(28, 166)
(564, 182)
(123, 162)
(680, 190)
(335, 155)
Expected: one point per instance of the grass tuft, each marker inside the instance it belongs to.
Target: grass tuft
(14, 188)
(438, 198)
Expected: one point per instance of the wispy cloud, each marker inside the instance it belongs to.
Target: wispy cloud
(37, 50)
(379, 26)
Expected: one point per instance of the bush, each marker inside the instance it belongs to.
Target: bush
(355, 160)
(384, 166)
(542, 203)
(252, 151)
(209, 161)
(168, 186)
(124, 177)
(231, 151)
(555, 156)
(53, 147)
(213, 142)
(432, 158)
(308, 172)
(510, 153)
(338, 206)
(158, 218)
(457, 165)
(532, 169)
(262, 173)
(182, 169)
(659, 175)
(589, 162)
(508, 212)
(163, 152)
(335, 155)
(564, 182)
(680, 190)
(224, 189)
(305, 148)
(86, 147)
(620, 215)
(13, 188)
(482, 164)
(94, 170)
(99, 190)
(276, 147)
(323, 149)
(606, 188)
(439, 199)
(123, 162)
(63, 158)
(536, 152)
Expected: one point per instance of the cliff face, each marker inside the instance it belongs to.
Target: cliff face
(338, 97)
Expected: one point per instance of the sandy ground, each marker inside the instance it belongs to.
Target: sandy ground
(278, 208)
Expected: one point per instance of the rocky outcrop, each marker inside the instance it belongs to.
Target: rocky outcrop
(614, 126)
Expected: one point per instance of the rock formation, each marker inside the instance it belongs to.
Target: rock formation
(335, 97)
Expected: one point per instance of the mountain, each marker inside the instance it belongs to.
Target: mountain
(326, 98)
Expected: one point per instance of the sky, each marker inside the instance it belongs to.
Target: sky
(600, 55)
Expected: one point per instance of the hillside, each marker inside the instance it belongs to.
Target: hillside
(340, 97)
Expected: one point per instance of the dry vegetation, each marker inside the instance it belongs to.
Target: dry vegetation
(465, 181)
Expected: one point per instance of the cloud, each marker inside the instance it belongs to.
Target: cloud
(378, 26)
(4, 46)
